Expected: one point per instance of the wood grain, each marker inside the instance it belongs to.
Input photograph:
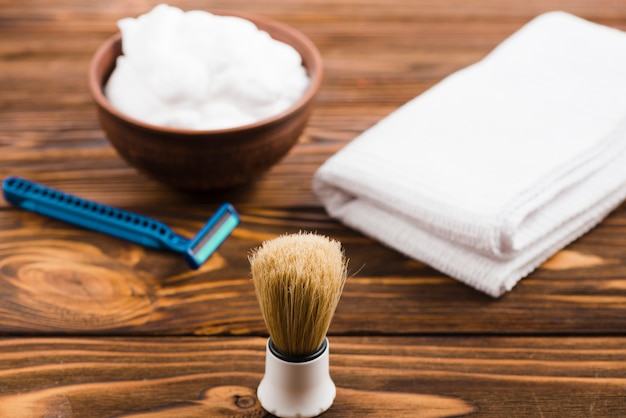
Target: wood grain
(61, 279)
(375, 58)
(96, 327)
(400, 377)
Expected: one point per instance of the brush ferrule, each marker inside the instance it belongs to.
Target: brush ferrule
(293, 359)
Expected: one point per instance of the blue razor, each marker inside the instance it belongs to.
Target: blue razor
(121, 223)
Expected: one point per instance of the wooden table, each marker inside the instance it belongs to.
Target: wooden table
(95, 327)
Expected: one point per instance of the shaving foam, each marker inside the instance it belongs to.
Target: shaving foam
(196, 70)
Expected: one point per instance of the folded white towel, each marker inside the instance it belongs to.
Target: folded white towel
(500, 165)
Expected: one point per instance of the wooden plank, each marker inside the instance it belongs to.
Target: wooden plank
(57, 278)
(376, 58)
(376, 377)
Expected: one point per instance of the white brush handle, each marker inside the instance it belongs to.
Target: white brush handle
(291, 389)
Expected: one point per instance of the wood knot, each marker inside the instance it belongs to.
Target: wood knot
(71, 285)
(245, 402)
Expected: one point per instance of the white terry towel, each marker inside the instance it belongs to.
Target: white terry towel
(497, 167)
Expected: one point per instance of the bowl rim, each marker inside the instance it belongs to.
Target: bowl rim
(314, 71)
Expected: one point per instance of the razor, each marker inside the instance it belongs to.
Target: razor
(120, 223)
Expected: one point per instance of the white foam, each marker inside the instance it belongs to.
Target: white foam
(197, 70)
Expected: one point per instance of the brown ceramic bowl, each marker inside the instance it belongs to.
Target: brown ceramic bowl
(207, 159)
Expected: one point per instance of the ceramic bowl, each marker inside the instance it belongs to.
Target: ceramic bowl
(201, 160)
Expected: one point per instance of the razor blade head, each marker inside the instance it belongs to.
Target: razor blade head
(211, 236)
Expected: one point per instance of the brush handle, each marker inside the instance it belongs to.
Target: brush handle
(300, 389)
(91, 215)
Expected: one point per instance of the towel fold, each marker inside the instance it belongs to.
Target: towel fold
(494, 169)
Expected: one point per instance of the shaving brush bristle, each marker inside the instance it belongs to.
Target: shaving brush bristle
(298, 280)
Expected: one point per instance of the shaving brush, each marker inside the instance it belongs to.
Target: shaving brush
(298, 280)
